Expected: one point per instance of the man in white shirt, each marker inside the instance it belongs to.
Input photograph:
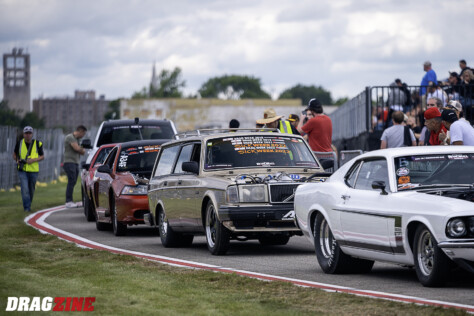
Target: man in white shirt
(460, 132)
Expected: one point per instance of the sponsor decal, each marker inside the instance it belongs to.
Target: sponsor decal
(402, 171)
(404, 180)
(46, 304)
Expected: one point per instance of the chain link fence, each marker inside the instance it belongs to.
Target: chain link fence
(50, 167)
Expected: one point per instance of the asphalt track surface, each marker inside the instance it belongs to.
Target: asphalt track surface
(294, 261)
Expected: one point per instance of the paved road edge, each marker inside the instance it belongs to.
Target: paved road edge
(37, 221)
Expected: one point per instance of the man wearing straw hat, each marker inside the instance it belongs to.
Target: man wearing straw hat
(271, 120)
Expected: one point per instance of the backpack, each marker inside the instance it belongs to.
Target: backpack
(406, 136)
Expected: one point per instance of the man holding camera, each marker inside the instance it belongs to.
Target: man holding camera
(28, 152)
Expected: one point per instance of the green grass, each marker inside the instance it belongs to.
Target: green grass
(33, 264)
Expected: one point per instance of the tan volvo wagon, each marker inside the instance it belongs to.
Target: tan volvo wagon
(229, 186)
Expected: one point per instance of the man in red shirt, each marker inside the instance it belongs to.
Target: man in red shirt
(318, 128)
(433, 123)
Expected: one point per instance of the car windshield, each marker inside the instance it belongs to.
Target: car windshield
(258, 151)
(137, 159)
(122, 134)
(423, 170)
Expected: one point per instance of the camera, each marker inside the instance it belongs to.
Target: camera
(21, 164)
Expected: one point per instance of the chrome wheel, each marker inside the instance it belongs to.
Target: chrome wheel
(211, 226)
(425, 253)
(326, 240)
(163, 225)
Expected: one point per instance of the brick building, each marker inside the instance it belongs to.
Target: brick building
(69, 112)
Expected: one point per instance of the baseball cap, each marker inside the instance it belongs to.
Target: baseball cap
(455, 105)
(432, 113)
(314, 104)
(449, 116)
(293, 118)
(28, 129)
(454, 74)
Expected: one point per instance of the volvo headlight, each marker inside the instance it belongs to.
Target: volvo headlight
(456, 228)
(232, 195)
(253, 193)
(135, 190)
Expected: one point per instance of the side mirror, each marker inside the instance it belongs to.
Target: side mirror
(190, 166)
(86, 143)
(104, 169)
(379, 185)
(86, 165)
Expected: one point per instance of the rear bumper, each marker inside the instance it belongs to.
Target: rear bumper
(269, 218)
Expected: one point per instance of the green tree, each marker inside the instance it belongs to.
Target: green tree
(32, 119)
(114, 110)
(170, 85)
(306, 93)
(341, 101)
(233, 87)
(8, 116)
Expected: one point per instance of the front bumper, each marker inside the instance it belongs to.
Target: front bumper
(259, 218)
(132, 208)
(461, 252)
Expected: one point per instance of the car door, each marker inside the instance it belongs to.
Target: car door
(102, 183)
(162, 187)
(367, 215)
(189, 211)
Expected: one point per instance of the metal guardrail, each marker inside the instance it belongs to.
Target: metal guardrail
(53, 146)
(329, 155)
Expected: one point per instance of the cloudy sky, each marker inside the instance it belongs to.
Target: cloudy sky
(110, 45)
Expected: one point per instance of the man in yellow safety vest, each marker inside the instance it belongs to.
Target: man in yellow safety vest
(28, 152)
(271, 120)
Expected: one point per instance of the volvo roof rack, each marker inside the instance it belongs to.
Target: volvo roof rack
(209, 131)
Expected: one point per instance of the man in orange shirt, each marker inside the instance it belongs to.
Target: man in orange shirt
(318, 128)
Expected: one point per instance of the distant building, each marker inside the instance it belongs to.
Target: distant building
(16, 80)
(69, 112)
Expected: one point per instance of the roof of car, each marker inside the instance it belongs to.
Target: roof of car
(418, 150)
(219, 133)
(146, 142)
(133, 122)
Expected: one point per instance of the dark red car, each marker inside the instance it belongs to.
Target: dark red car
(120, 185)
(87, 176)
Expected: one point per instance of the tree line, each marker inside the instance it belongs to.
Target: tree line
(230, 87)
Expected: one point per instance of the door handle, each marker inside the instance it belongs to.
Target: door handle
(345, 197)
(179, 182)
(165, 183)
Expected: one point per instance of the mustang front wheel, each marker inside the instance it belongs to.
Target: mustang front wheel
(120, 229)
(217, 236)
(431, 264)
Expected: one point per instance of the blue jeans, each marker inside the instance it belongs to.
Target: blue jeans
(27, 184)
(72, 172)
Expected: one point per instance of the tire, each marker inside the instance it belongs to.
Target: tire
(88, 208)
(217, 236)
(330, 256)
(101, 226)
(431, 264)
(273, 239)
(168, 237)
(119, 228)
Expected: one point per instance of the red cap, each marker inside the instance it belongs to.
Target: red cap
(432, 113)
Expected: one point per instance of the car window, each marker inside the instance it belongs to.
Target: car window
(351, 175)
(370, 171)
(258, 151)
(184, 155)
(109, 161)
(166, 160)
(121, 134)
(101, 155)
(137, 159)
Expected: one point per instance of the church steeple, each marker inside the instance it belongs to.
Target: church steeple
(154, 84)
